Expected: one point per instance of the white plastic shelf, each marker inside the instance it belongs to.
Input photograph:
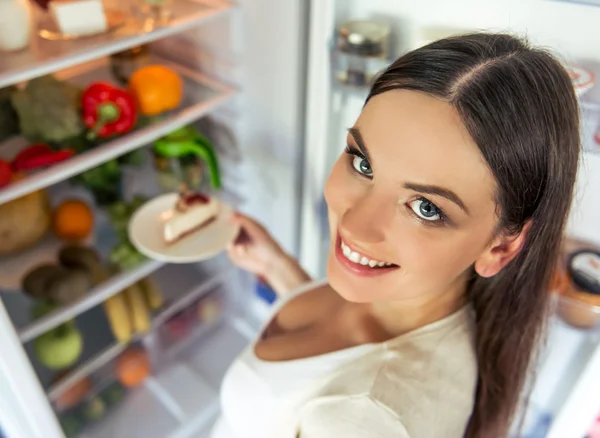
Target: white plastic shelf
(44, 57)
(171, 308)
(95, 296)
(202, 95)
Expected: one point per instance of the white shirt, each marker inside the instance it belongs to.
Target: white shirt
(418, 385)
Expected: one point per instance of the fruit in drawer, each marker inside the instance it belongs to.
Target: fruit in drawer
(132, 367)
(36, 281)
(117, 313)
(60, 347)
(138, 311)
(68, 285)
(93, 409)
(179, 325)
(23, 222)
(73, 220)
(152, 293)
(209, 309)
(85, 258)
(74, 394)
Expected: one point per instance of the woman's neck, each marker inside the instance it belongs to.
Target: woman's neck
(397, 317)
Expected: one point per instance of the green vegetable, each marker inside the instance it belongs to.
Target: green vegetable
(71, 425)
(133, 158)
(124, 254)
(103, 181)
(48, 110)
(9, 121)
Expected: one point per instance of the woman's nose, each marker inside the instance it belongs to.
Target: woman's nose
(368, 218)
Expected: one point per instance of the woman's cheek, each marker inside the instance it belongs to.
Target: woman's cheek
(342, 188)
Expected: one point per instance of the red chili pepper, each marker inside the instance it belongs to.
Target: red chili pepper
(5, 173)
(27, 153)
(107, 110)
(46, 159)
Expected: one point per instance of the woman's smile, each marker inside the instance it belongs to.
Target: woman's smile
(358, 262)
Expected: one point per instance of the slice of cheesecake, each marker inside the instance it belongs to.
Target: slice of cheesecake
(191, 212)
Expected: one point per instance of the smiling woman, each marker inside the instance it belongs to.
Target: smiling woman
(446, 213)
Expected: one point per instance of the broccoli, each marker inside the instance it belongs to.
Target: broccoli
(49, 110)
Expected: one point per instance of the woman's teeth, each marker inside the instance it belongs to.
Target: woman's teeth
(360, 259)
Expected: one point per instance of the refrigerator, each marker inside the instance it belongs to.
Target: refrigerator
(259, 80)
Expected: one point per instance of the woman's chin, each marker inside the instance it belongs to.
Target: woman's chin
(344, 286)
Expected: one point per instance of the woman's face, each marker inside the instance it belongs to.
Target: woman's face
(414, 194)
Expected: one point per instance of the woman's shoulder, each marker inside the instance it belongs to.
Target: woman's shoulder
(425, 377)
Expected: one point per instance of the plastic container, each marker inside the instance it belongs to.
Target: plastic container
(183, 325)
(579, 304)
(362, 50)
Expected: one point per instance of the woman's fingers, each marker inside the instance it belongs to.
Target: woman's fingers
(253, 229)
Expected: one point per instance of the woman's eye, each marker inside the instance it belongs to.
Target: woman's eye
(361, 165)
(426, 210)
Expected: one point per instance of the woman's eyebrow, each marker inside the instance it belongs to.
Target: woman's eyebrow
(355, 133)
(421, 188)
(437, 190)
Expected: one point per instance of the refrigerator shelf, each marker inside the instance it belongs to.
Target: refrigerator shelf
(95, 296)
(44, 57)
(180, 400)
(113, 350)
(202, 95)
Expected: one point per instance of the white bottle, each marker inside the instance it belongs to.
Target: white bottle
(15, 24)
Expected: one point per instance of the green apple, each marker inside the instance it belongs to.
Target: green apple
(93, 409)
(59, 348)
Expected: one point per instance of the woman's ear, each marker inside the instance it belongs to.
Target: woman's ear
(501, 251)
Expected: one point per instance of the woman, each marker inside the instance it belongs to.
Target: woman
(446, 214)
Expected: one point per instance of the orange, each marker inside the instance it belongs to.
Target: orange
(156, 89)
(132, 367)
(73, 220)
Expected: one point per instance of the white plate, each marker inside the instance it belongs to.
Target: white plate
(146, 233)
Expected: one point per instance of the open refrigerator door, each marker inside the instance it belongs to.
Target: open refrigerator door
(565, 400)
(141, 349)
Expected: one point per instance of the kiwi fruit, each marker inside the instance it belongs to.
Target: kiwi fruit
(37, 281)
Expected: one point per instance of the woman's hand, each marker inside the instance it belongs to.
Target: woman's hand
(256, 251)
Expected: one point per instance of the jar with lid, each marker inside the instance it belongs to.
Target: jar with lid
(579, 304)
(181, 159)
(124, 64)
(361, 51)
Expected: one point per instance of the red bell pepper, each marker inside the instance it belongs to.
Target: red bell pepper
(107, 110)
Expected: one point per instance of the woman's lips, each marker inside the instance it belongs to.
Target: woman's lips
(351, 261)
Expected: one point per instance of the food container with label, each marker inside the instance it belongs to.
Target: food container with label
(579, 304)
(362, 50)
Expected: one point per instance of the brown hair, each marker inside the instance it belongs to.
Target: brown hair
(519, 106)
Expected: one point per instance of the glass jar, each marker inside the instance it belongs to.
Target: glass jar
(180, 159)
(124, 64)
(173, 172)
(362, 50)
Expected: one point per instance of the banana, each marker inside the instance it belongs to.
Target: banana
(152, 293)
(138, 311)
(118, 317)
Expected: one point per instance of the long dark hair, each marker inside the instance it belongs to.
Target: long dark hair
(519, 106)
